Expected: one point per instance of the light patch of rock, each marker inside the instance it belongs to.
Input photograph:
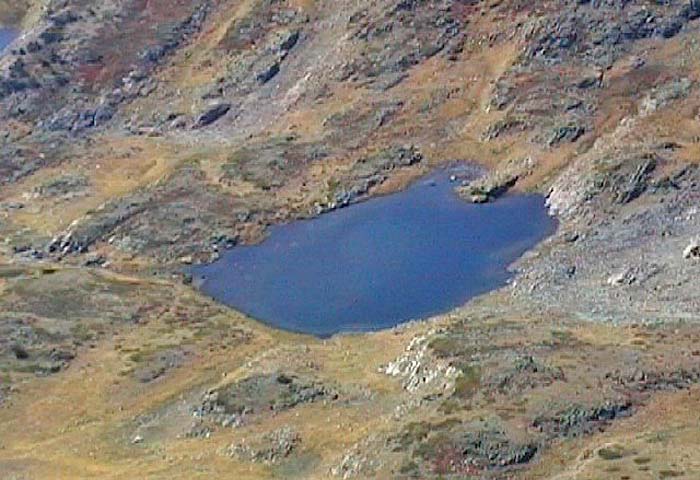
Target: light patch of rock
(692, 250)
(419, 369)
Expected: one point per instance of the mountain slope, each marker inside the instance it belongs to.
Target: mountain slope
(138, 136)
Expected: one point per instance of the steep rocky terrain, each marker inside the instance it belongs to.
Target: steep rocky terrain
(141, 136)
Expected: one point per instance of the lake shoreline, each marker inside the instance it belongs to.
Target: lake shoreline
(432, 204)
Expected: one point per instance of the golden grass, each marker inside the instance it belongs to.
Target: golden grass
(79, 424)
(116, 168)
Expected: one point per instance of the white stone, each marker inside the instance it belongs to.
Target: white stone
(692, 250)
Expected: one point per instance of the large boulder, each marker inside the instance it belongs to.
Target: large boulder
(692, 250)
(212, 114)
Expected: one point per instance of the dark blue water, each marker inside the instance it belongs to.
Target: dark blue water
(374, 265)
(6, 37)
